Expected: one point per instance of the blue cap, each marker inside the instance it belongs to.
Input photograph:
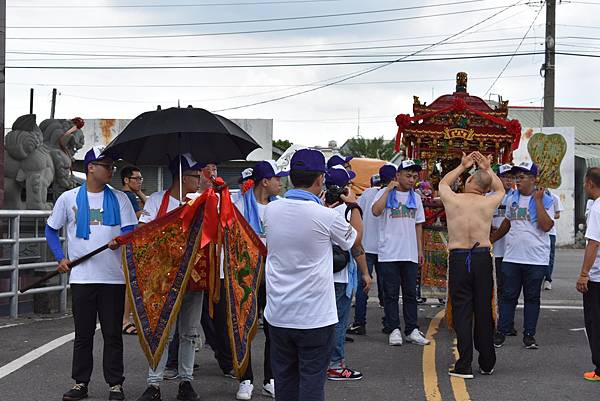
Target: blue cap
(387, 172)
(505, 169)
(526, 167)
(308, 160)
(245, 175)
(187, 164)
(337, 160)
(93, 155)
(267, 169)
(409, 165)
(338, 175)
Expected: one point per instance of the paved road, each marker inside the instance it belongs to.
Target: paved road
(553, 372)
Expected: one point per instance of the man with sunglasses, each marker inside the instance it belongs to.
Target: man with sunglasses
(188, 322)
(93, 215)
(132, 180)
(527, 254)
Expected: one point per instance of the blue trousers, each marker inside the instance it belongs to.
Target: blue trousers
(529, 278)
(360, 311)
(343, 310)
(396, 275)
(550, 268)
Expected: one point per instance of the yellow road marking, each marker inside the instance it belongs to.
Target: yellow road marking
(430, 380)
(459, 387)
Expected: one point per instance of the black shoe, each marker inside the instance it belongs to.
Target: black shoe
(499, 339)
(186, 392)
(357, 329)
(348, 339)
(421, 301)
(512, 332)
(116, 393)
(486, 372)
(467, 374)
(529, 342)
(152, 393)
(78, 392)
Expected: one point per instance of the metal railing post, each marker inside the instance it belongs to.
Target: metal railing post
(14, 281)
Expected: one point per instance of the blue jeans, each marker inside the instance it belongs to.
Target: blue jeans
(516, 276)
(396, 274)
(550, 268)
(343, 308)
(299, 358)
(360, 311)
(188, 324)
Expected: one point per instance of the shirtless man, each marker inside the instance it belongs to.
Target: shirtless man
(470, 277)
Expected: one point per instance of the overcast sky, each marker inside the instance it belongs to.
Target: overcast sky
(312, 118)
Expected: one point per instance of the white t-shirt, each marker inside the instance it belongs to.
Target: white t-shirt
(370, 237)
(397, 230)
(499, 215)
(105, 267)
(525, 242)
(299, 268)
(152, 206)
(342, 275)
(556, 207)
(239, 203)
(593, 232)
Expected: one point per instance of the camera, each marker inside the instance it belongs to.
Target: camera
(333, 193)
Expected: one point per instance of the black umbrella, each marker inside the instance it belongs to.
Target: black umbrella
(156, 137)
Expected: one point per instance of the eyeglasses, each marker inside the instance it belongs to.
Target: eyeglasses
(108, 167)
(140, 179)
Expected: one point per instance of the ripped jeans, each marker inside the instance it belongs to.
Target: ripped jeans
(189, 329)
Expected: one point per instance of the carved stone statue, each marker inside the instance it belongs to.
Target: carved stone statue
(63, 138)
(27, 165)
(461, 82)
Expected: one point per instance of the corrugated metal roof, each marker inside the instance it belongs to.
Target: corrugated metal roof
(585, 120)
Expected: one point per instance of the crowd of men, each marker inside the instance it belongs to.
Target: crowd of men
(324, 243)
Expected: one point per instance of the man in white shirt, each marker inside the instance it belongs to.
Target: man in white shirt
(301, 310)
(93, 215)
(588, 282)
(370, 240)
(557, 208)
(527, 253)
(253, 204)
(188, 321)
(400, 250)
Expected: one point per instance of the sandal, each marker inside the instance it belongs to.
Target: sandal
(129, 329)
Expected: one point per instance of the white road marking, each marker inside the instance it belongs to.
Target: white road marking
(36, 353)
(557, 307)
(10, 325)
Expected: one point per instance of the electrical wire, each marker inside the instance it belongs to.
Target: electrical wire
(266, 2)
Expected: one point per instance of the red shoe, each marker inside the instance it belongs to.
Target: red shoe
(591, 376)
(343, 374)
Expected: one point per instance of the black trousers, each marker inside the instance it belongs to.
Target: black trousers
(471, 286)
(591, 313)
(300, 359)
(215, 330)
(105, 302)
(268, 371)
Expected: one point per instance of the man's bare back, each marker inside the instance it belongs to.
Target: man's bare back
(469, 215)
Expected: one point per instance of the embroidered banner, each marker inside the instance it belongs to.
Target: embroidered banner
(434, 270)
(243, 267)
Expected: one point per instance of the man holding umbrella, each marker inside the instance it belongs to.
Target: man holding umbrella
(94, 214)
(188, 322)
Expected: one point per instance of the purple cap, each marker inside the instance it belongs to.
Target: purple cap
(267, 169)
(308, 160)
(526, 167)
(337, 160)
(409, 165)
(94, 155)
(505, 169)
(245, 175)
(338, 175)
(187, 164)
(387, 172)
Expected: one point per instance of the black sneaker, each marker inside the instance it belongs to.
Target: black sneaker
(78, 392)
(186, 392)
(499, 339)
(486, 372)
(348, 339)
(512, 332)
(115, 393)
(529, 342)
(467, 374)
(152, 393)
(357, 329)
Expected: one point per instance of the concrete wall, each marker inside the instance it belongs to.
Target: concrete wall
(566, 191)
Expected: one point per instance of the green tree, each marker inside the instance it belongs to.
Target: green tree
(377, 148)
(282, 144)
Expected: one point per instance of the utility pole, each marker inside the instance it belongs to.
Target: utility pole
(53, 105)
(31, 101)
(549, 64)
(2, 70)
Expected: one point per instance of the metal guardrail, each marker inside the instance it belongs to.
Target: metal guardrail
(15, 240)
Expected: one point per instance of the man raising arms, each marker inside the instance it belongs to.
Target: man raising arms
(470, 276)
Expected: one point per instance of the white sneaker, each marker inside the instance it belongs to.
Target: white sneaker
(395, 337)
(245, 390)
(416, 337)
(269, 389)
(547, 285)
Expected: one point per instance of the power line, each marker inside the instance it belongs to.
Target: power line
(303, 17)
(268, 2)
(303, 28)
(516, 50)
